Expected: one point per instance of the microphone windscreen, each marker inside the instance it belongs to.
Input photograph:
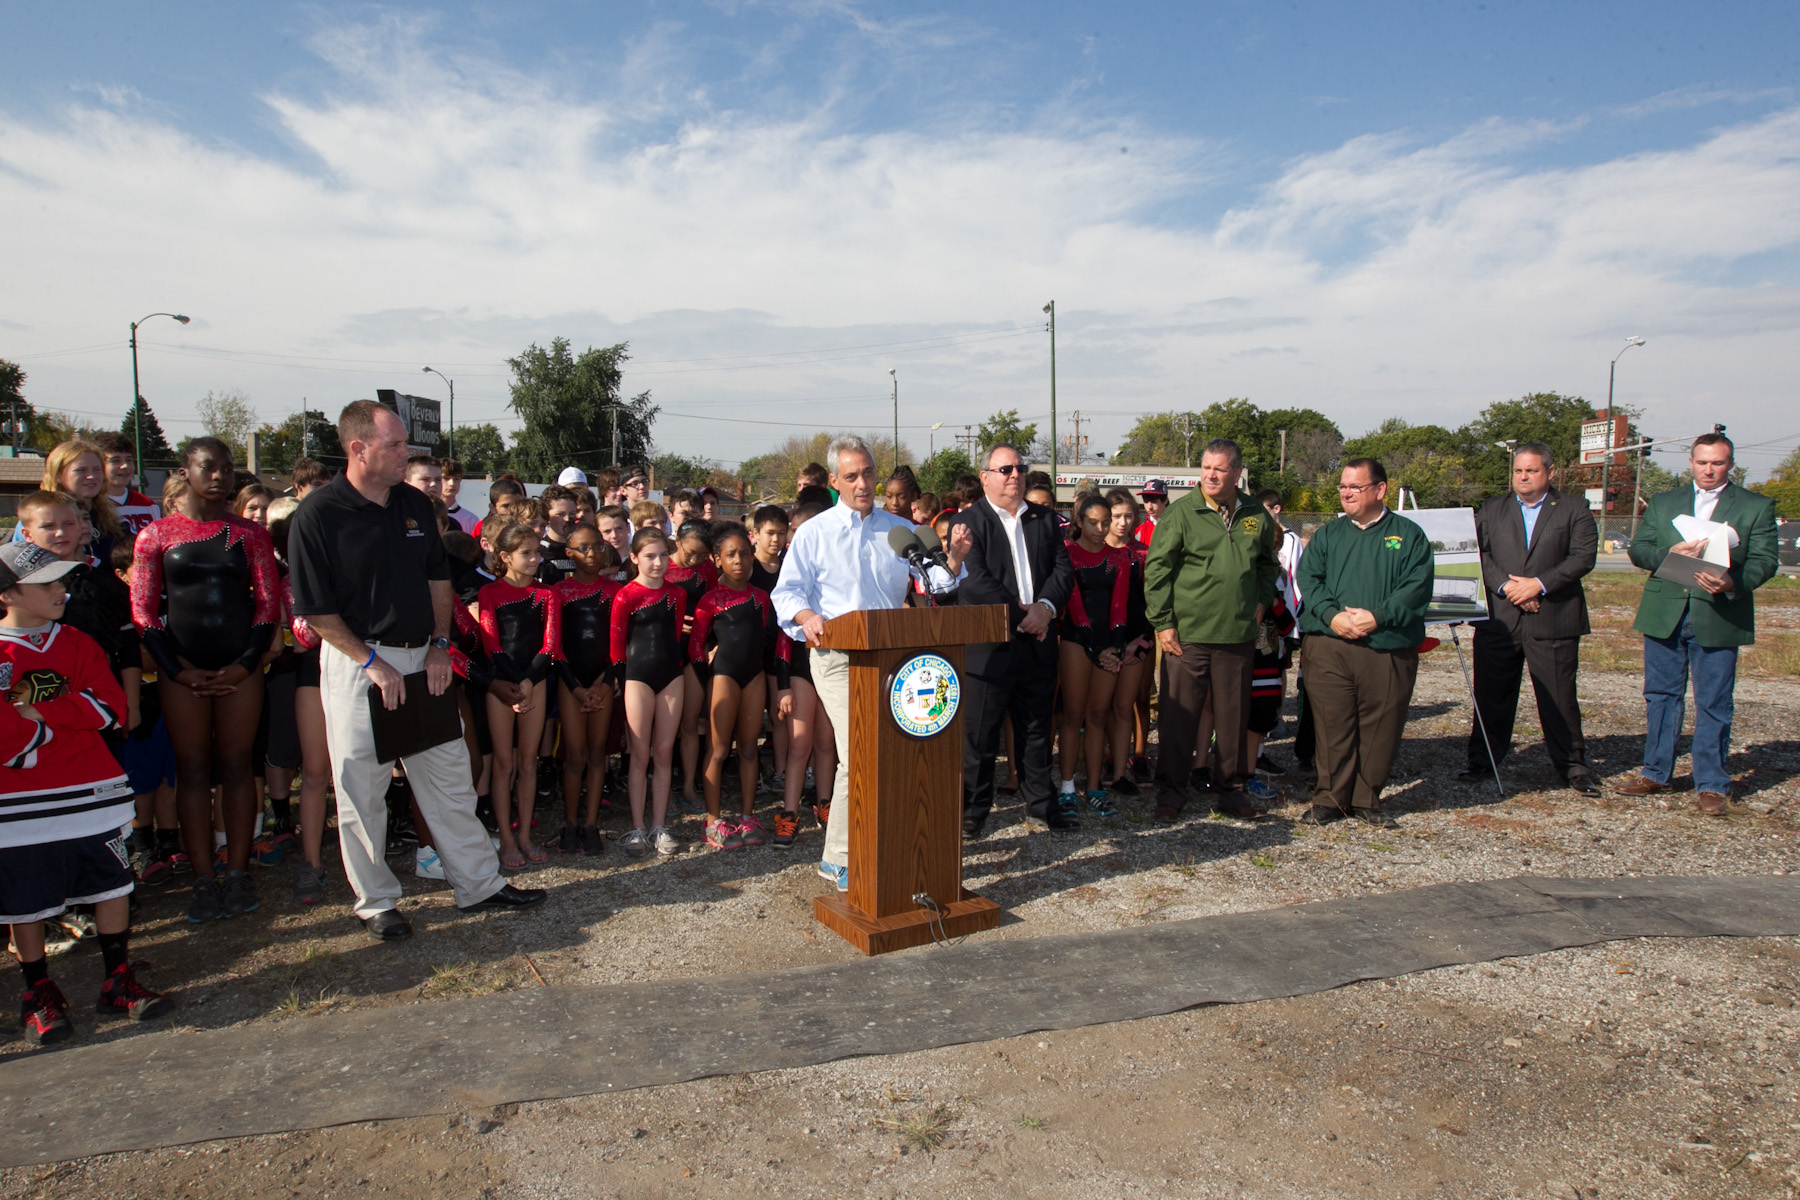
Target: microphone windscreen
(929, 539)
(903, 541)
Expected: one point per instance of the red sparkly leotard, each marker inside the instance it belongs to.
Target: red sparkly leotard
(646, 633)
(521, 630)
(740, 622)
(1096, 615)
(1138, 633)
(586, 630)
(694, 583)
(206, 591)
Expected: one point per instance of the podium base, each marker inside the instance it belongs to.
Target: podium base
(878, 935)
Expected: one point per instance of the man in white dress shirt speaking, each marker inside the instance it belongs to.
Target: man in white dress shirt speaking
(840, 562)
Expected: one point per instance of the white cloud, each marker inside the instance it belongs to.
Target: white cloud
(446, 210)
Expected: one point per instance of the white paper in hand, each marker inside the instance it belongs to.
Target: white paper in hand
(1720, 538)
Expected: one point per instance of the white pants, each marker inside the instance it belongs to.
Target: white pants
(831, 679)
(440, 782)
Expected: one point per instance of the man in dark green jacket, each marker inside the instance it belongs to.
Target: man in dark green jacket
(1698, 632)
(1364, 582)
(1208, 581)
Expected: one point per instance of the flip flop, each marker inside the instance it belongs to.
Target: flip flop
(513, 862)
(537, 854)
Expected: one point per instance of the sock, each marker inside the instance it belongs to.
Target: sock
(142, 838)
(1068, 787)
(35, 972)
(218, 839)
(284, 810)
(113, 950)
(168, 840)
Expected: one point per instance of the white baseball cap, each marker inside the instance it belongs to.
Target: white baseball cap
(572, 476)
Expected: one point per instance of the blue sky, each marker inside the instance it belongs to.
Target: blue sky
(1410, 211)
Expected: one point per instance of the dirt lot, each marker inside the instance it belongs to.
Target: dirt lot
(1636, 1069)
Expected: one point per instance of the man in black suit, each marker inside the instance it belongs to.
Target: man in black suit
(1018, 558)
(1536, 547)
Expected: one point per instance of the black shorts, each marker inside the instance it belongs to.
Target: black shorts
(306, 668)
(284, 726)
(42, 880)
(1264, 714)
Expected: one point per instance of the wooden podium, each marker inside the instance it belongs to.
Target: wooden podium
(905, 807)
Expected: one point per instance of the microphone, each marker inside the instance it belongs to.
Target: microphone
(906, 544)
(934, 545)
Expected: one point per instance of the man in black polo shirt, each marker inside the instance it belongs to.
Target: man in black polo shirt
(370, 574)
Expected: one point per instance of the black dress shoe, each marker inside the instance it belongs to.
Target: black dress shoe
(1201, 780)
(1474, 775)
(388, 926)
(1585, 785)
(507, 899)
(1056, 820)
(1377, 818)
(1236, 804)
(1322, 814)
(972, 827)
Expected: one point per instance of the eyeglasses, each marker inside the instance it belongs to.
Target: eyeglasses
(1008, 469)
(1356, 488)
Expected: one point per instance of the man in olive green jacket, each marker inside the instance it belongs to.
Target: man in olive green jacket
(1689, 631)
(1208, 581)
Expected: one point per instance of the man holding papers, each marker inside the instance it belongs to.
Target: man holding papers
(1697, 629)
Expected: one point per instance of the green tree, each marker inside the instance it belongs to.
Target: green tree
(569, 405)
(230, 417)
(1428, 459)
(772, 475)
(1170, 439)
(157, 453)
(281, 446)
(1547, 417)
(939, 475)
(1005, 427)
(1783, 485)
(673, 472)
(482, 449)
(13, 405)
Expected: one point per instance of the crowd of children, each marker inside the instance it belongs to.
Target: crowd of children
(592, 622)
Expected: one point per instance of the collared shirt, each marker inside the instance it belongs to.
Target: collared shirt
(840, 562)
(1705, 501)
(1531, 512)
(1015, 537)
(370, 564)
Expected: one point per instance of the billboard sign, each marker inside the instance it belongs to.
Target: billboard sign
(422, 417)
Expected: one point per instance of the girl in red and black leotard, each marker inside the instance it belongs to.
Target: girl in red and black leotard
(586, 699)
(206, 593)
(521, 630)
(1093, 645)
(1131, 697)
(735, 641)
(692, 570)
(648, 652)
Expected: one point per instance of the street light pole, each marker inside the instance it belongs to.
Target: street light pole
(450, 452)
(1051, 309)
(137, 400)
(931, 444)
(1612, 422)
(896, 380)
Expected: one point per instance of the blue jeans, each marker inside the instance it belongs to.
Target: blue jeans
(1667, 664)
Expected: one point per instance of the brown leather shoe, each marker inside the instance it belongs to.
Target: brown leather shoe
(1713, 804)
(1235, 804)
(1641, 786)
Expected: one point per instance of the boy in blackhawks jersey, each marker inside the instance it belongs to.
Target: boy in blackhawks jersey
(64, 802)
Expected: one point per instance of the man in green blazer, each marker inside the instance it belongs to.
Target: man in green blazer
(1698, 631)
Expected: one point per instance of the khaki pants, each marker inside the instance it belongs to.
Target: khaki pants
(440, 783)
(1220, 674)
(1358, 698)
(831, 679)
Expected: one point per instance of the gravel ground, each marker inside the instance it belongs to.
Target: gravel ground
(1632, 1069)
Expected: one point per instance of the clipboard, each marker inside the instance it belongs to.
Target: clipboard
(421, 722)
(1685, 569)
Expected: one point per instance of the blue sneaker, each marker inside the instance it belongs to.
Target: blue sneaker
(1258, 789)
(1099, 802)
(835, 874)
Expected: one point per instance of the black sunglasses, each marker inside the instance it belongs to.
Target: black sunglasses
(1008, 468)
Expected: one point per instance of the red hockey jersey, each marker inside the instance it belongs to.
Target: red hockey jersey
(57, 778)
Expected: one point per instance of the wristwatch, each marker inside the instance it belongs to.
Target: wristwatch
(440, 643)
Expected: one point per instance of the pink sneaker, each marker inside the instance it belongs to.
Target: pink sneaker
(751, 832)
(723, 835)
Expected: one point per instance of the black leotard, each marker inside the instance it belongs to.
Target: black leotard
(586, 630)
(741, 624)
(206, 591)
(646, 633)
(1095, 617)
(521, 628)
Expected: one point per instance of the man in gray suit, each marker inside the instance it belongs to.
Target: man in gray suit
(1536, 547)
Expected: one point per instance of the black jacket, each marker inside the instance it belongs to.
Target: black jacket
(1563, 545)
(991, 581)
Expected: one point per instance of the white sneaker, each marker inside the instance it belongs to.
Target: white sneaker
(426, 864)
(665, 841)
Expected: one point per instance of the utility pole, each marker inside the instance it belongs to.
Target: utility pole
(1051, 309)
(1075, 439)
(1187, 439)
(896, 380)
(1283, 467)
(1612, 423)
(450, 443)
(303, 427)
(137, 399)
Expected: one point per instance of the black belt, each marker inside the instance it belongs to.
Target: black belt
(397, 645)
